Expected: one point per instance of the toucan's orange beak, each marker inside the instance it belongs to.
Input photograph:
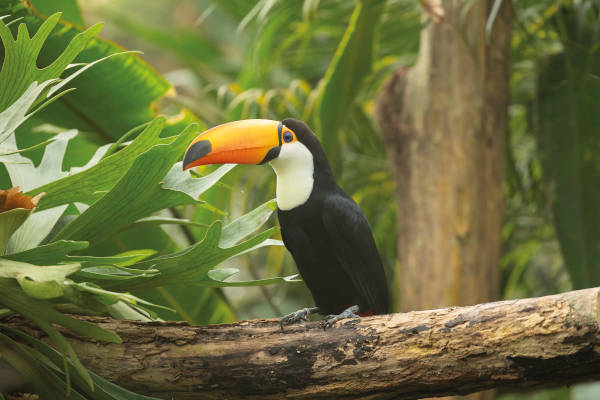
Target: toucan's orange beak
(251, 141)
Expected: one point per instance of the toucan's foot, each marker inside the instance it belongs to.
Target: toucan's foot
(350, 312)
(300, 315)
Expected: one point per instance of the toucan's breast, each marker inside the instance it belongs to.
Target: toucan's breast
(294, 167)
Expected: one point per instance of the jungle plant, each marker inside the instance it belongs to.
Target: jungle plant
(55, 220)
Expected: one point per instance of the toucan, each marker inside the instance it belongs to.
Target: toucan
(323, 228)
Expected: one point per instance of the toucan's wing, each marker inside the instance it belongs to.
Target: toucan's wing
(355, 249)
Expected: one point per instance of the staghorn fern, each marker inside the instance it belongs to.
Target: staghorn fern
(45, 268)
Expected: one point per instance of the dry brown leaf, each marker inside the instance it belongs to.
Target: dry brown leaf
(14, 198)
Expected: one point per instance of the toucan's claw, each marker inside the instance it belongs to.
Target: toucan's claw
(350, 312)
(300, 315)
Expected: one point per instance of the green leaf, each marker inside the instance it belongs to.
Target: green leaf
(24, 174)
(220, 275)
(190, 266)
(122, 260)
(114, 267)
(246, 224)
(49, 253)
(65, 348)
(80, 302)
(34, 229)
(16, 113)
(156, 220)
(193, 187)
(195, 304)
(69, 8)
(123, 310)
(103, 389)
(37, 311)
(44, 316)
(10, 221)
(19, 69)
(136, 195)
(98, 274)
(24, 361)
(130, 87)
(38, 282)
(569, 123)
(350, 65)
(108, 297)
(89, 185)
(7, 152)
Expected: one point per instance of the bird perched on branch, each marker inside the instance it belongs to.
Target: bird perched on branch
(323, 228)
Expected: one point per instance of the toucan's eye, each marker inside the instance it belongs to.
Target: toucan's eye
(288, 136)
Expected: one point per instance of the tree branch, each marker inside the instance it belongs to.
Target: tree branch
(546, 341)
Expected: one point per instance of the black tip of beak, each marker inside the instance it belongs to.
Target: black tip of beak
(196, 151)
(273, 153)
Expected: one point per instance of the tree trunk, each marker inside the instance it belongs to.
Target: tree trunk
(445, 122)
(547, 341)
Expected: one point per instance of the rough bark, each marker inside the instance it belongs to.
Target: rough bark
(545, 341)
(444, 121)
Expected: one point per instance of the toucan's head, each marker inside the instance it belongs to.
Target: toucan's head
(251, 141)
(291, 148)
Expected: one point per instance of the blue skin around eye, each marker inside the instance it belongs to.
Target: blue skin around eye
(287, 137)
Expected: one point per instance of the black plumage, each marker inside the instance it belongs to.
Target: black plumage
(331, 241)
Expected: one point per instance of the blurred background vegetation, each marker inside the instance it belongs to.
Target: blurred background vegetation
(234, 59)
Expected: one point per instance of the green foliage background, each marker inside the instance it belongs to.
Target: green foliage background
(212, 61)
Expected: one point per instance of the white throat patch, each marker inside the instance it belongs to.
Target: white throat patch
(294, 168)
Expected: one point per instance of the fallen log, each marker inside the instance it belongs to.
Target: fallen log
(546, 341)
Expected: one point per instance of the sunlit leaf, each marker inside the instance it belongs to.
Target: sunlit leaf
(10, 221)
(23, 173)
(27, 176)
(219, 276)
(111, 273)
(34, 229)
(16, 113)
(193, 187)
(40, 282)
(15, 208)
(121, 260)
(246, 224)
(137, 194)
(90, 184)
